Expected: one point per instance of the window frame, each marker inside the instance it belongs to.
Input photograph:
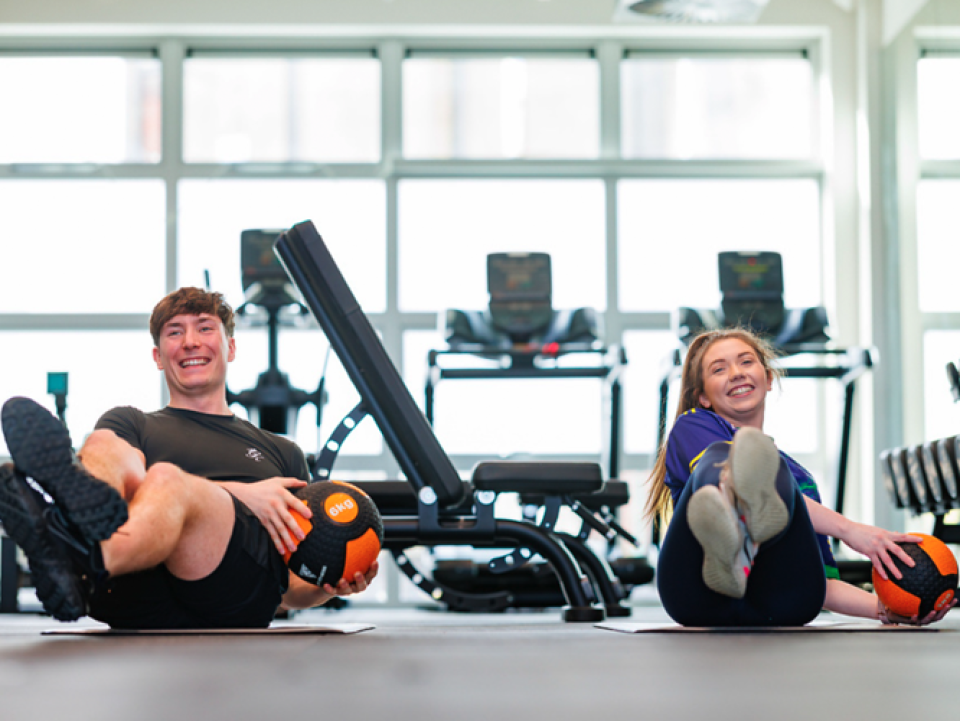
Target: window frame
(608, 45)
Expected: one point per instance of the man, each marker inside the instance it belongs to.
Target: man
(171, 519)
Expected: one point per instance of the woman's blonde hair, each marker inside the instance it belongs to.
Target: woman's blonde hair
(659, 502)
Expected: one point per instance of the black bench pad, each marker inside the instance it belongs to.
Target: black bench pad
(547, 477)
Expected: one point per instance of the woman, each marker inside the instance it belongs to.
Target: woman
(748, 541)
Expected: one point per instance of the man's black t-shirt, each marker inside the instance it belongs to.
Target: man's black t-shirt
(221, 448)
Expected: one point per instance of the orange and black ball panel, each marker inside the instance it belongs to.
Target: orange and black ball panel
(346, 534)
(929, 585)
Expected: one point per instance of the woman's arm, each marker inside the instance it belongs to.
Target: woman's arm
(874, 543)
(850, 600)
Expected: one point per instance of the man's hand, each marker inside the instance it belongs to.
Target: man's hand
(303, 594)
(359, 583)
(271, 501)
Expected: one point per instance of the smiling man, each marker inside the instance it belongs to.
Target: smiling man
(192, 350)
(177, 518)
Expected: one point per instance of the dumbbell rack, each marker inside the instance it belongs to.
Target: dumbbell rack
(925, 478)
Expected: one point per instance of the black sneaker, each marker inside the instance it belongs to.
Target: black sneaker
(41, 448)
(60, 585)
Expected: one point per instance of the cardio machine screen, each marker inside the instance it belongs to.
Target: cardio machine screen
(751, 274)
(258, 262)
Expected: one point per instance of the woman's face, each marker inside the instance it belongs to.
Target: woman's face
(735, 383)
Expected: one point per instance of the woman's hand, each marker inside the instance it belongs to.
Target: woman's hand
(889, 618)
(271, 501)
(879, 546)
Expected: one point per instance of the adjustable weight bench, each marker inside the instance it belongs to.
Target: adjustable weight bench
(433, 507)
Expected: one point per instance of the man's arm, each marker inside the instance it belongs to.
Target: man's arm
(301, 594)
(271, 502)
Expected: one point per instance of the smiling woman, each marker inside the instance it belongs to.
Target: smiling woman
(735, 382)
(748, 541)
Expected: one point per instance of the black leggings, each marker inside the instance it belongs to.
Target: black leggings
(787, 585)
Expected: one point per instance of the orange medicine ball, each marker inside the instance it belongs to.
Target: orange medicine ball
(343, 537)
(930, 585)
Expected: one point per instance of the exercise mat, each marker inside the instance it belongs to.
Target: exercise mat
(817, 626)
(277, 628)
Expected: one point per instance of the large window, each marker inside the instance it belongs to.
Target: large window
(447, 228)
(718, 107)
(938, 252)
(938, 113)
(86, 109)
(104, 369)
(415, 157)
(500, 107)
(672, 230)
(281, 109)
(349, 214)
(81, 246)
(938, 215)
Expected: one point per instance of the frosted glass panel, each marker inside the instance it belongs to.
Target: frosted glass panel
(508, 107)
(447, 228)
(672, 230)
(938, 252)
(82, 246)
(717, 108)
(349, 214)
(79, 110)
(281, 110)
(129, 378)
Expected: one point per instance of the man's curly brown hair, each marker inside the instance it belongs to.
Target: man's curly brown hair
(191, 301)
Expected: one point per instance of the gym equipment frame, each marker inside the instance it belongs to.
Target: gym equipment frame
(445, 513)
(610, 369)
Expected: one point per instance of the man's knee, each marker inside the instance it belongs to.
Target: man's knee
(193, 494)
(166, 479)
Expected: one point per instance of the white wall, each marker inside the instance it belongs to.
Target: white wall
(432, 12)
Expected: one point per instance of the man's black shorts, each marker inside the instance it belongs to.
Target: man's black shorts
(243, 592)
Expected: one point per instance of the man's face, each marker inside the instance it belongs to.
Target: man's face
(193, 352)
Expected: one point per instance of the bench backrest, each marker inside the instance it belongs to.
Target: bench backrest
(404, 427)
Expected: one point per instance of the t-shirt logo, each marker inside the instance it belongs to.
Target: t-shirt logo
(254, 454)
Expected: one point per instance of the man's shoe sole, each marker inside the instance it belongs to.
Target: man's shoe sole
(57, 584)
(714, 524)
(41, 448)
(754, 464)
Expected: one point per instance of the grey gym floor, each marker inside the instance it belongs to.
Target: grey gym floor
(422, 665)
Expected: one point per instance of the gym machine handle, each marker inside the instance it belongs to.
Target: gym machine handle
(609, 529)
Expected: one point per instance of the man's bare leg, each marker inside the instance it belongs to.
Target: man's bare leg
(176, 519)
(141, 518)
